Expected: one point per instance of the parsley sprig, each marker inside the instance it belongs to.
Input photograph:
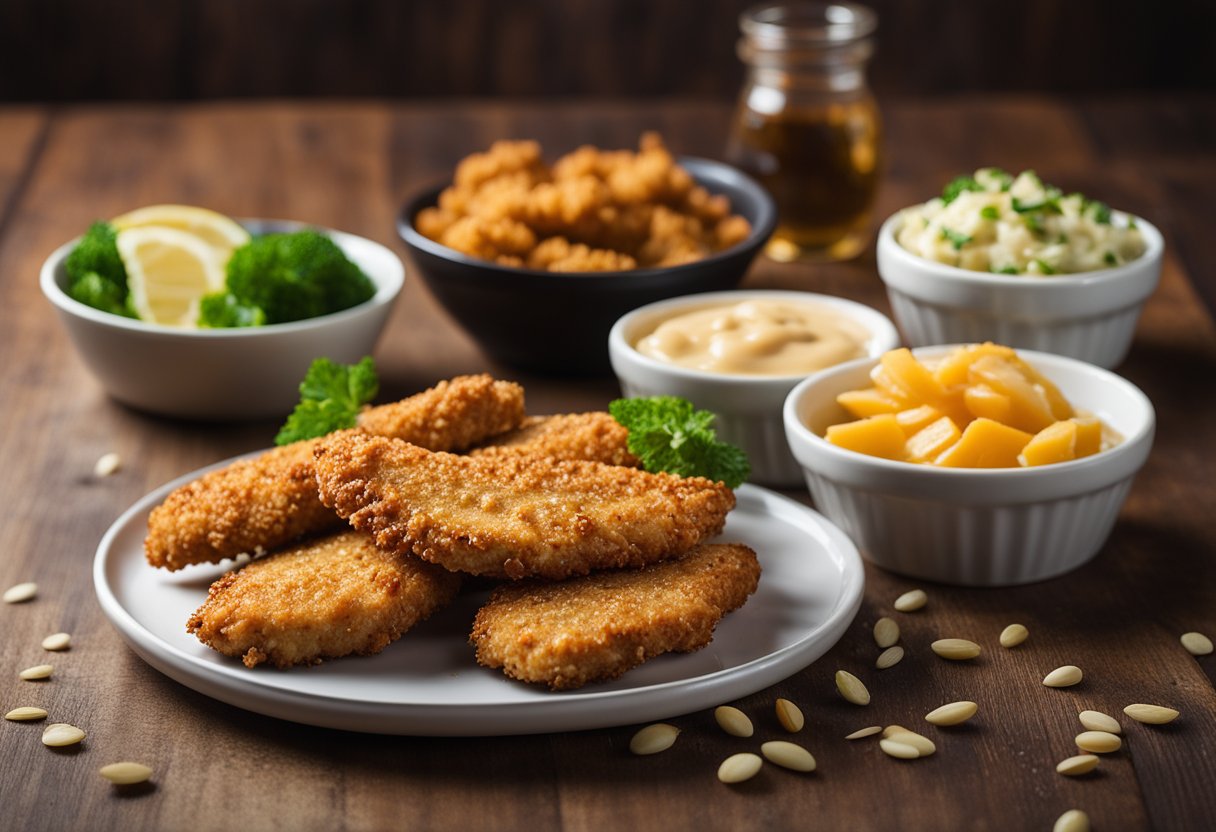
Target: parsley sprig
(331, 396)
(668, 434)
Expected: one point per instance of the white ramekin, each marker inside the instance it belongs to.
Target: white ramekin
(987, 527)
(748, 407)
(234, 374)
(1089, 316)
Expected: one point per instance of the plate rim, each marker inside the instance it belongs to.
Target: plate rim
(569, 711)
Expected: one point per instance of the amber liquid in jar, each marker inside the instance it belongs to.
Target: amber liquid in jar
(821, 167)
(806, 125)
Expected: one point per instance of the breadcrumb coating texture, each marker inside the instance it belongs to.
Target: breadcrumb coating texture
(269, 500)
(595, 628)
(514, 516)
(608, 210)
(331, 597)
(594, 436)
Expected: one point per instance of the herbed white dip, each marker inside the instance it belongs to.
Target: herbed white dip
(992, 222)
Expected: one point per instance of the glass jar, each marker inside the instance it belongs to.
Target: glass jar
(807, 126)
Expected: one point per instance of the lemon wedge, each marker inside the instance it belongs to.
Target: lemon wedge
(168, 272)
(218, 231)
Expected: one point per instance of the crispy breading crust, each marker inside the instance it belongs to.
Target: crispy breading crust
(452, 415)
(269, 500)
(595, 628)
(331, 597)
(514, 516)
(595, 436)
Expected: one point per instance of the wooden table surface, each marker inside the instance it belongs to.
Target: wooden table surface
(349, 166)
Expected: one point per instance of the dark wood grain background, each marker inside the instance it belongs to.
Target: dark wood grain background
(60, 50)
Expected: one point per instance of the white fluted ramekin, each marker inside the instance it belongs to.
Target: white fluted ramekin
(1090, 316)
(974, 527)
(748, 407)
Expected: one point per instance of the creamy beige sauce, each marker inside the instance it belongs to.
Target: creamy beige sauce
(757, 337)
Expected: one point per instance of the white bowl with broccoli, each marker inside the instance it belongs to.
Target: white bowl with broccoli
(241, 340)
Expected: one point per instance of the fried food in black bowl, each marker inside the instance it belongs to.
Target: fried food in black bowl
(557, 321)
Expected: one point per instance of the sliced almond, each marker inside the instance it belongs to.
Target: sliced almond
(1063, 677)
(790, 716)
(922, 744)
(954, 713)
(890, 657)
(25, 714)
(788, 755)
(1013, 635)
(1197, 644)
(60, 734)
(893, 729)
(107, 464)
(955, 649)
(125, 774)
(865, 732)
(1151, 714)
(1098, 721)
(851, 688)
(1074, 820)
(56, 642)
(900, 750)
(911, 601)
(1078, 765)
(654, 738)
(739, 767)
(886, 632)
(733, 721)
(1098, 742)
(38, 671)
(20, 593)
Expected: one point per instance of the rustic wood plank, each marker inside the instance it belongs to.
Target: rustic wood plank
(350, 166)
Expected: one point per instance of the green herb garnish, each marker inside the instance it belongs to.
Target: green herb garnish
(990, 212)
(331, 396)
(957, 238)
(1034, 222)
(1110, 259)
(668, 434)
(1045, 267)
(1099, 212)
(959, 185)
(1006, 270)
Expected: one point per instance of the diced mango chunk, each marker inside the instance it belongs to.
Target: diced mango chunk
(1030, 410)
(1089, 435)
(877, 436)
(1054, 443)
(871, 402)
(953, 368)
(910, 376)
(930, 442)
(981, 406)
(986, 444)
(982, 401)
(917, 418)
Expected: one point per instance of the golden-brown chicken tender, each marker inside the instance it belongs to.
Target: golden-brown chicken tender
(264, 502)
(514, 516)
(326, 598)
(595, 436)
(595, 628)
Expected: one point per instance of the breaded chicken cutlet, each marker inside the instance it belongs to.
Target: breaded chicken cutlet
(595, 628)
(330, 597)
(514, 516)
(269, 500)
(595, 437)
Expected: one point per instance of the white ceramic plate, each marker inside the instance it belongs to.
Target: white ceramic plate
(429, 683)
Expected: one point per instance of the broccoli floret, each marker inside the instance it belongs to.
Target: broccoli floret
(93, 290)
(96, 275)
(222, 310)
(289, 277)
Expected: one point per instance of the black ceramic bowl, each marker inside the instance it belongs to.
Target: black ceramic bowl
(558, 322)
